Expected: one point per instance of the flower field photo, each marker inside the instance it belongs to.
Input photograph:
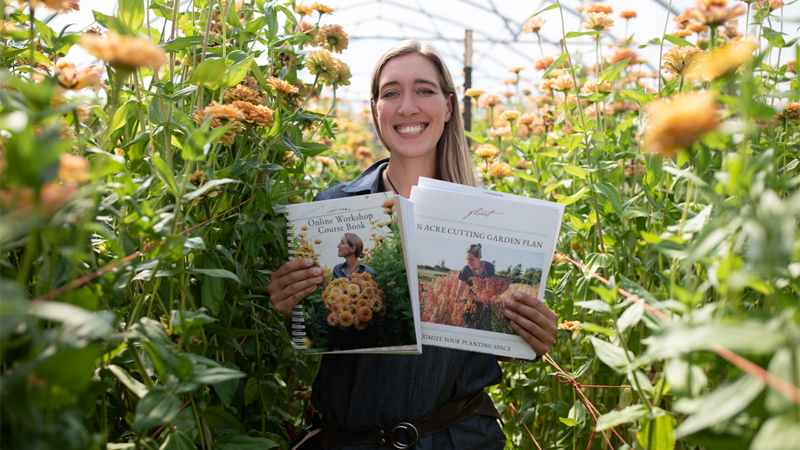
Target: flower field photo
(143, 192)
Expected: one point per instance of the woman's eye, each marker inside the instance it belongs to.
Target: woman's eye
(389, 94)
(426, 91)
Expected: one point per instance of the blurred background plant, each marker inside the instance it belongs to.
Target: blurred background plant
(141, 219)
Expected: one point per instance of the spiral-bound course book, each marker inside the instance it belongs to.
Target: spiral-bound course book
(365, 304)
(474, 249)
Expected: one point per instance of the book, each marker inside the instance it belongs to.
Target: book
(475, 248)
(371, 309)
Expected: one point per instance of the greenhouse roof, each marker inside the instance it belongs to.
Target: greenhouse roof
(499, 42)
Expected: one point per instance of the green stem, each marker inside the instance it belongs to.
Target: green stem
(661, 47)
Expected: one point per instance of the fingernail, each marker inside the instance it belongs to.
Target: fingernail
(308, 262)
(518, 294)
(509, 302)
(507, 312)
(317, 271)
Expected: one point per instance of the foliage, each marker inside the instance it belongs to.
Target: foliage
(154, 199)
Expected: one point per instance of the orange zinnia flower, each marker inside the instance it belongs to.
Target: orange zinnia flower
(677, 122)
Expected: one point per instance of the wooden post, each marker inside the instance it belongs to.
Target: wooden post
(467, 79)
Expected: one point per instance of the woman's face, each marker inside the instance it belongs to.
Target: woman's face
(411, 109)
(473, 261)
(345, 249)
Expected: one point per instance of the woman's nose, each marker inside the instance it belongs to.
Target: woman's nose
(408, 105)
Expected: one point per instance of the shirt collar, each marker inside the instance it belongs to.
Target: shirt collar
(369, 182)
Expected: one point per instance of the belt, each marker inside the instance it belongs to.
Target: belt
(404, 434)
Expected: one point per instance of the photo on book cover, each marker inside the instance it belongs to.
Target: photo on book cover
(369, 307)
(464, 283)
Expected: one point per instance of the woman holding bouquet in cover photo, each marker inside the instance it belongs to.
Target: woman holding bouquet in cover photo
(475, 268)
(371, 401)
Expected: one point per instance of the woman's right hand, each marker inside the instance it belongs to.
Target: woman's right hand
(293, 282)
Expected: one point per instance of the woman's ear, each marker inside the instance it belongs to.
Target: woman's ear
(374, 112)
(450, 103)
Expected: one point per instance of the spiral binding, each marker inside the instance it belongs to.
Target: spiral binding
(298, 319)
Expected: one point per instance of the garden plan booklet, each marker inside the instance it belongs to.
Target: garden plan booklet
(372, 309)
(474, 249)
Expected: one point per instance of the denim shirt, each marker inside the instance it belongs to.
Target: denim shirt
(365, 392)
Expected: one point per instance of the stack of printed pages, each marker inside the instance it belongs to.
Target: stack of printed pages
(434, 269)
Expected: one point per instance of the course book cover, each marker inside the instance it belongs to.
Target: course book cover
(474, 249)
(364, 304)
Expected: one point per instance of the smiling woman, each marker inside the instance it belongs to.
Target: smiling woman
(413, 106)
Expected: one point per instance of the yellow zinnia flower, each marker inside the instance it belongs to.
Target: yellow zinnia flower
(322, 9)
(533, 25)
(516, 69)
(332, 36)
(499, 169)
(123, 51)
(597, 21)
(282, 86)
(719, 61)
(510, 115)
(677, 122)
(592, 8)
(474, 93)
(677, 59)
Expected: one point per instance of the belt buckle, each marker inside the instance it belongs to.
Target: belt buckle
(408, 427)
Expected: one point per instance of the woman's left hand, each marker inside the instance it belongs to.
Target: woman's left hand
(532, 320)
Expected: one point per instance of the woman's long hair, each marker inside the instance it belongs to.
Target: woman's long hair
(354, 241)
(453, 158)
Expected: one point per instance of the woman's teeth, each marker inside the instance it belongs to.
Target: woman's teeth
(410, 130)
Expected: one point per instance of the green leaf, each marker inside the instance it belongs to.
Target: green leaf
(46, 33)
(610, 193)
(553, 6)
(475, 137)
(131, 12)
(80, 322)
(243, 442)
(678, 41)
(555, 64)
(746, 337)
(165, 173)
(569, 422)
(662, 436)
(236, 72)
(122, 114)
(782, 365)
(251, 391)
(613, 418)
(213, 375)
(177, 441)
(722, 404)
(640, 97)
(653, 41)
(573, 34)
(577, 171)
(135, 386)
(632, 315)
(612, 72)
(182, 43)
(217, 417)
(782, 432)
(594, 305)
(574, 197)
(209, 73)
(218, 273)
(227, 389)
(156, 408)
(610, 354)
(189, 196)
(70, 368)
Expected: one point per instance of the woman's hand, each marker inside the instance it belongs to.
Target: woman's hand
(293, 282)
(532, 320)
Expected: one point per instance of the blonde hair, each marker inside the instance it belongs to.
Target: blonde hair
(354, 241)
(474, 250)
(453, 158)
